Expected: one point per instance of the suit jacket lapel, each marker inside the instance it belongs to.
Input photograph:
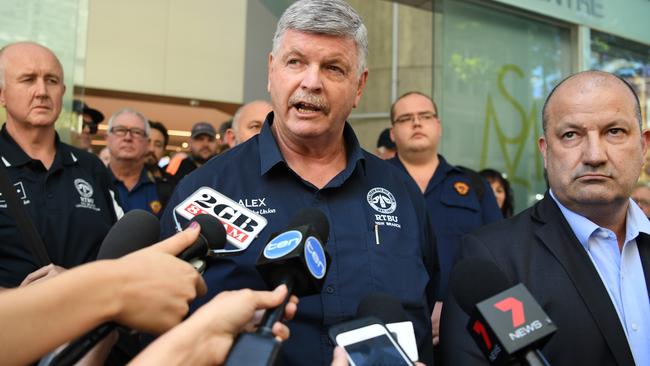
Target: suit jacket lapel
(558, 237)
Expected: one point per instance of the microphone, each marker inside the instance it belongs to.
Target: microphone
(390, 311)
(212, 237)
(242, 225)
(296, 258)
(506, 322)
(136, 230)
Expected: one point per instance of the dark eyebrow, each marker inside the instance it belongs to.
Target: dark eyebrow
(404, 114)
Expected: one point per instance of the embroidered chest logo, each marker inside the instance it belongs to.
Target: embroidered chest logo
(20, 192)
(382, 201)
(85, 191)
(461, 188)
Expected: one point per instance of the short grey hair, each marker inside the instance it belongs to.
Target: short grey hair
(328, 17)
(147, 128)
(235, 118)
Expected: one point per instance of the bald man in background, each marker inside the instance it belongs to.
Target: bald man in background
(247, 122)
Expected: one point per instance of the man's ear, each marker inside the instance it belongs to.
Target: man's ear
(541, 143)
(270, 69)
(360, 87)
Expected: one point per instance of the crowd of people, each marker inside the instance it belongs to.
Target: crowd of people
(397, 225)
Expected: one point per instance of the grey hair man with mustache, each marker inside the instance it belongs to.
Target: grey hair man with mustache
(63, 190)
(583, 251)
(380, 237)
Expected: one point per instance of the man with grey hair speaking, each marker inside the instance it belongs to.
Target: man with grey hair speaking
(380, 238)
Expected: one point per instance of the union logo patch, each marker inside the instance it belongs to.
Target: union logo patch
(155, 207)
(381, 200)
(461, 188)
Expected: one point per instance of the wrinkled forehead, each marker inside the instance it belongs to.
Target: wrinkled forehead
(21, 58)
(128, 119)
(587, 93)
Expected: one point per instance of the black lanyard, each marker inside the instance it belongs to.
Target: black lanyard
(25, 224)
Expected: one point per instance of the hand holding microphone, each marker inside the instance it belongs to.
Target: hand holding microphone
(156, 296)
(156, 286)
(295, 258)
(71, 303)
(206, 337)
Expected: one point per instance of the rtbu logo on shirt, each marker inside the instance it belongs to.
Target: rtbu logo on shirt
(242, 225)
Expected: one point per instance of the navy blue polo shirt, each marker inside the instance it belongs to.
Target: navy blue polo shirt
(70, 206)
(369, 197)
(143, 196)
(455, 210)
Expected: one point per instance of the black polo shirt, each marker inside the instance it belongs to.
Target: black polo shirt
(70, 205)
(380, 236)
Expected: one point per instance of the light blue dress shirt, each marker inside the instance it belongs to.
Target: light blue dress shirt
(621, 272)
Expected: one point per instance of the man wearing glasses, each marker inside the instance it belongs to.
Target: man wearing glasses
(128, 144)
(458, 200)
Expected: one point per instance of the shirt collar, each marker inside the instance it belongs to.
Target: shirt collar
(146, 177)
(271, 156)
(12, 154)
(635, 222)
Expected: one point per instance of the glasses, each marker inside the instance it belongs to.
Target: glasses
(120, 131)
(423, 117)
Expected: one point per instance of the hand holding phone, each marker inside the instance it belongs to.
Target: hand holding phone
(368, 342)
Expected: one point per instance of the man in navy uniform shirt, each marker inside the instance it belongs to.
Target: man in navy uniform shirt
(307, 155)
(128, 144)
(63, 189)
(459, 200)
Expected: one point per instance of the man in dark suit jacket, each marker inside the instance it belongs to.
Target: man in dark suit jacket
(584, 250)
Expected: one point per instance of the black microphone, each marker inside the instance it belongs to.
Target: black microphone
(506, 322)
(390, 311)
(136, 230)
(212, 237)
(296, 258)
